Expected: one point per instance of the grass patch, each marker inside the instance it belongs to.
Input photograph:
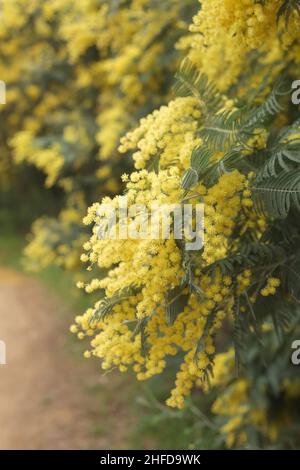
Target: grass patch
(59, 281)
(11, 246)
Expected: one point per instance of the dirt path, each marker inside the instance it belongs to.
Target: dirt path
(44, 397)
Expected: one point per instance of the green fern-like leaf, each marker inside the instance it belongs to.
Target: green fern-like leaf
(176, 301)
(201, 159)
(141, 329)
(229, 162)
(203, 168)
(276, 195)
(189, 179)
(250, 255)
(287, 8)
(224, 130)
(108, 303)
(284, 159)
(190, 82)
(231, 128)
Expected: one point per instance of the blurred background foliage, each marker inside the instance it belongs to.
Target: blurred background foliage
(79, 76)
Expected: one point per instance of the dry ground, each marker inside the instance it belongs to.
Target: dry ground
(45, 394)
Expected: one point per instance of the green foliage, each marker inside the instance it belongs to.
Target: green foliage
(287, 8)
(106, 305)
(189, 82)
(229, 128)
(277, 195)
(277, 187)
(175, 303)
(285, 157)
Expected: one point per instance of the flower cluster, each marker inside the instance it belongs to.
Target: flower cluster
(225, 32)
(160, 301)
(79, 75)
(89, 86)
